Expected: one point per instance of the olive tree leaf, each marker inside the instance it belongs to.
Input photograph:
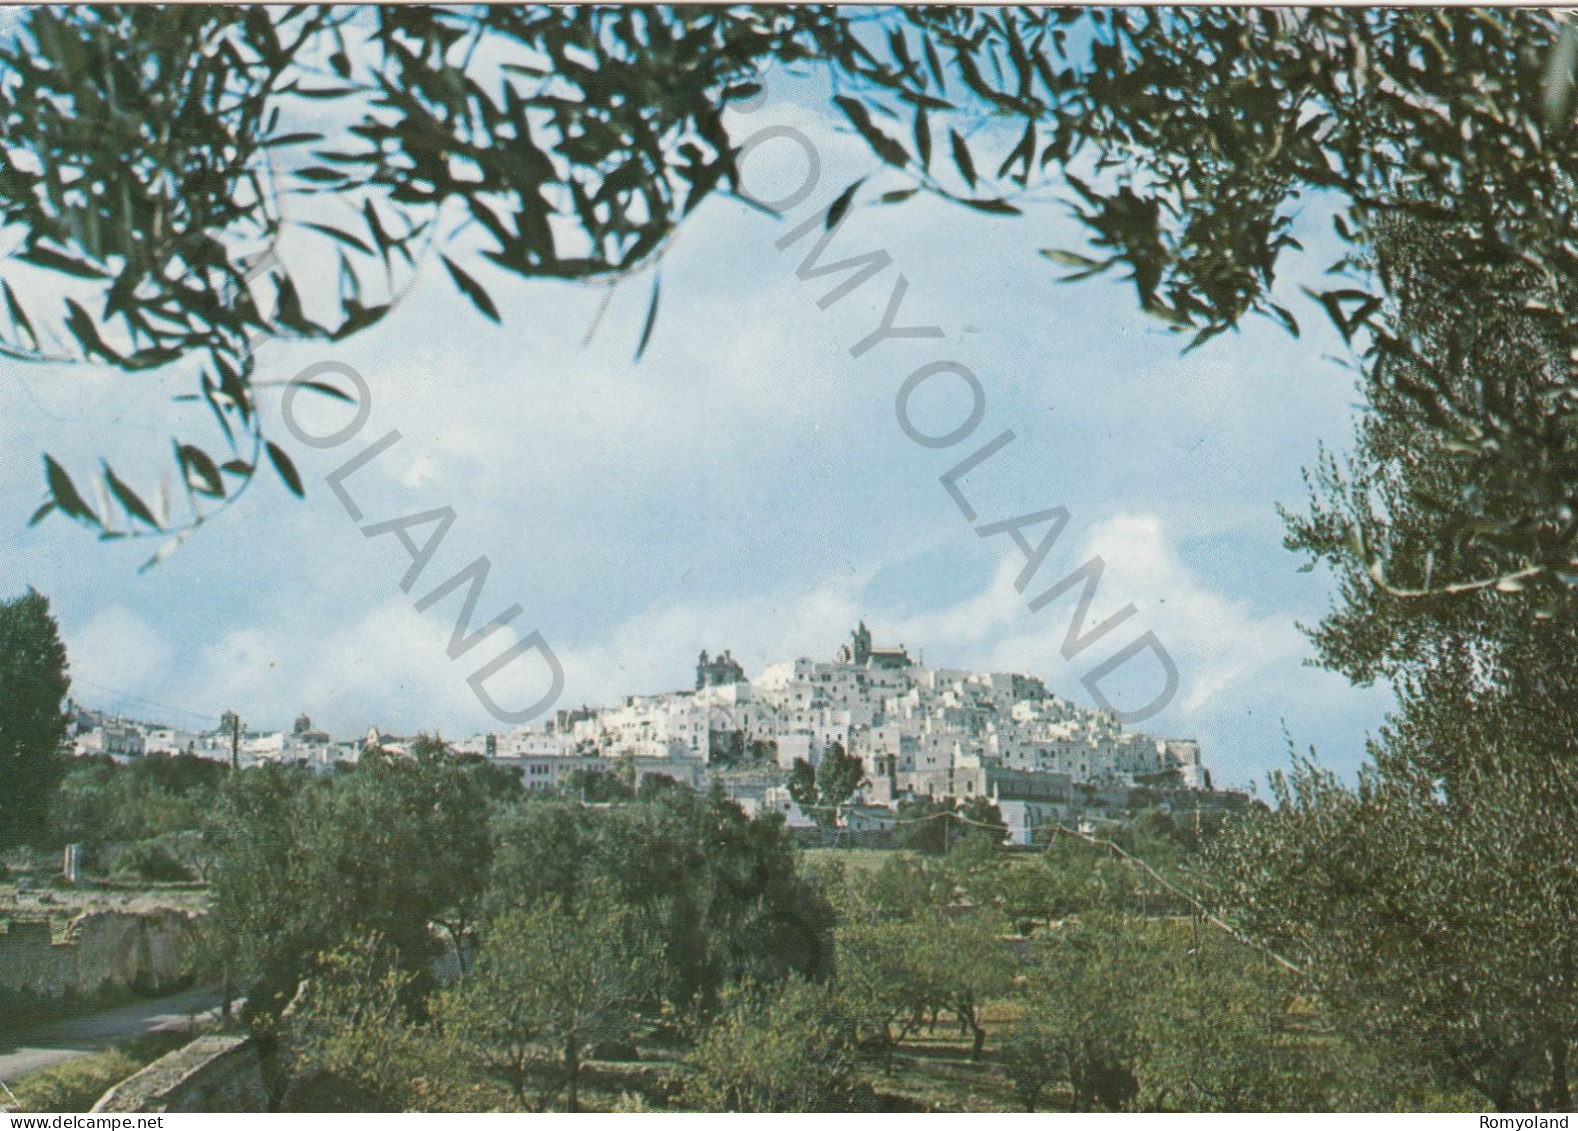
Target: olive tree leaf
(287, 469)
(19, 317)
(472, 290)
(129, 499)
(962, 158)
(65, 493)
(199, 472)
(881, 144)
(651, 322)
(840, 205)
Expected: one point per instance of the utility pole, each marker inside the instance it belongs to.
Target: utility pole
(235, 741)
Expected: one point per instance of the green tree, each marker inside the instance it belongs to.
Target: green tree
(541, 850)
(1032, 1056)
(982, 820)
(781, 1049)
(823, 791)
(597, 787)
(156, 795)
(551, 985)
(1079, 1025)
(903, 886)
(352, 1043)
(1216, 1036)
(33, 721)
(879, 986)
(1397, 898)
(722, 891)
(1396, 895)
(152, 861)
(1029, 892)
(960, 964)
(306, 863)
(938, 825)
(924, 824)
(902, 963)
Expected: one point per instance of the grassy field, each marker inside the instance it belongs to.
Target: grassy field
(930, 1072)
(856, 859)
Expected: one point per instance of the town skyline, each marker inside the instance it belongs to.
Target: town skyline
(132, 709)
(914, 732)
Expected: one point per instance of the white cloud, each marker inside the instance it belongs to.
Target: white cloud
(118, 650)
(655, 650)
(389, 667)
(1214, 639)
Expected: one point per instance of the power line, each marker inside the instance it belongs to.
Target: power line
(1200, 908)
(126, 695)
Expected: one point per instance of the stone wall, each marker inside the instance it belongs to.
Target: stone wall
(212, 1074)
(31, 965)
(101, 953)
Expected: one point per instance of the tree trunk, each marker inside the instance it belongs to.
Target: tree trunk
(457, 932)
(1561, 1094)
(978, 1035)
(572, 1074)
(1500, 1093)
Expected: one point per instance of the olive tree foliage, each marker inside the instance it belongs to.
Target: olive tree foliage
(353, 1044)
(823, 791)
(905, 956)
(158, 163)
(785, 1050)
(187, 180)
(1430, 909)
(1188, 137)
(1427, 904)
(306, 863)
(550, 986)
(1219, 1035)
(1410, 579)
(723, 893)
(1079, 1026)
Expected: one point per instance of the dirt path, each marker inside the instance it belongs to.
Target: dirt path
(94, 1032)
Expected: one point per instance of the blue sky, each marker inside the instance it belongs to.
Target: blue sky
(746, 485)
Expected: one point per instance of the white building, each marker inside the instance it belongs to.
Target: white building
(917, 731)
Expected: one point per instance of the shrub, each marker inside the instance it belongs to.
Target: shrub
(778, 1051)
(149, 860)
(1032, 1060)
(353, 1044)
(76, 1085)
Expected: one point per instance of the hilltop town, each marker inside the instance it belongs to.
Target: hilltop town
(917, 731)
